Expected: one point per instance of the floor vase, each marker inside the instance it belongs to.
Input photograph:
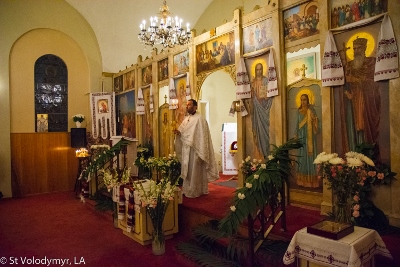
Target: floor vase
(158, 240)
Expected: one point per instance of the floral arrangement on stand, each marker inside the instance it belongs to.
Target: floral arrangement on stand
(352, 179)
(114, 178)
(263, 183)
(156, 195)
(144, 152)
(101, 155)
(78, 119)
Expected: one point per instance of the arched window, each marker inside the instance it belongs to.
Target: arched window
(51, 94)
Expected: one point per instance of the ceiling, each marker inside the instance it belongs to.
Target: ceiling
(116, 25)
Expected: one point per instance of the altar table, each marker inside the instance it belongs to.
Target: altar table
(355, 249)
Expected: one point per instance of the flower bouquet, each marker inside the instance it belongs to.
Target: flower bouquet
(343, 176)
(113, 179)
(78, 118)
(249, 166)
(144, 152)
(155, 197)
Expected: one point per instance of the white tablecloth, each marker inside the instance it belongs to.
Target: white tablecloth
(354, 249)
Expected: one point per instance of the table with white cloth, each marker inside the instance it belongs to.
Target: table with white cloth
(355, 249)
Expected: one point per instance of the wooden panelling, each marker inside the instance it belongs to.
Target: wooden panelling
(43, 162)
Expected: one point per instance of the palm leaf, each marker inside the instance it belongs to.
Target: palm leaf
(270, 181)
(202, 257)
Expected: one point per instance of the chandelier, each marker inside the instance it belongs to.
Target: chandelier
(168, 33)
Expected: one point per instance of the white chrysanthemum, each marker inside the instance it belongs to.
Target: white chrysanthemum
(324, 158)
(233, 208)
(367, 160)
(241, 196)
(352, 154)
(336, 161)
(256, 176)
(270, 157)
(249, 185)
(263, 166)
(354, 162)
(247, 159)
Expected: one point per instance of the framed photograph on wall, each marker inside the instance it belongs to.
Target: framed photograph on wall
(297, 65)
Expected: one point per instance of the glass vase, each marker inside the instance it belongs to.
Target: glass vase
(158, 240)
(115, 214)
(342, 212)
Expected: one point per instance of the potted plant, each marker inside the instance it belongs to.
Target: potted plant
(78, 119)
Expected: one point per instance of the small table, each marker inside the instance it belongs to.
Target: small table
(355, 249)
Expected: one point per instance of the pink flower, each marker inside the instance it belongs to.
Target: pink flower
(356, 207)
(340, 167)
(381, 176)
(334, 174)
(356, 198)
(356, 213)
(372, 173)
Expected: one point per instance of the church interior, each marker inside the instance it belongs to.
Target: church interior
(264, 73)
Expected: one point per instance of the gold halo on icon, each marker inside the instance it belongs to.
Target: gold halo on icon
(181, 86)
(253, 67)
(370, 44)
(308, 92)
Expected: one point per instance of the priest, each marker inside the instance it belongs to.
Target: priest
(193, 146)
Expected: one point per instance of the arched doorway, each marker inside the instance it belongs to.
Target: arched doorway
(215, 99)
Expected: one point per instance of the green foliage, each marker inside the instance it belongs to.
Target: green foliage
(103, 200)
(365, 213)
(166, 167)
(100, 160)
(144, 152)
(202, 257)
(260, 186)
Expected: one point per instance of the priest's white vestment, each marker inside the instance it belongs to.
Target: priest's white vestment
(196, 153)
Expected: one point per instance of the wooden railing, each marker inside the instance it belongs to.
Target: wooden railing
(266, 218)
